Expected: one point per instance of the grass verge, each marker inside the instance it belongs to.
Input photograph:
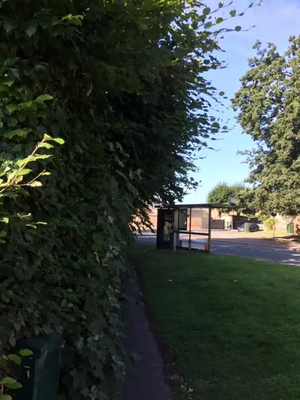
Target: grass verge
(232, 324)
(277, 233)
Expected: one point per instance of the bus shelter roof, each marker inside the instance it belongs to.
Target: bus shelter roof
(200, 205)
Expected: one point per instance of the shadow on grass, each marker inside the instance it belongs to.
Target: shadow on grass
(231, 324)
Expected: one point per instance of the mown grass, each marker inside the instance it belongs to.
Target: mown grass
(277, 233)
(232, 324)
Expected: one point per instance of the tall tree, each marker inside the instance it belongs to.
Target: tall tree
(237, 195)
(268, 105)
(222, 193)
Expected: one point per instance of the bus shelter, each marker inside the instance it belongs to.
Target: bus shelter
(186, 226)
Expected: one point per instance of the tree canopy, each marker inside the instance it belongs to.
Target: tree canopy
(268, 106)
(234, 195)
(222, 193)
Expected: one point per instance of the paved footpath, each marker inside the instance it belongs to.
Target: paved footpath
(145, 378)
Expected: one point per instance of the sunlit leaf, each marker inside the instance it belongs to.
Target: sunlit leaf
(43, 98)
(8, 83)
(22, 161)
(5, 396)
(41, 157)
(73, 19)
(36, 184)
(25, 171)
(25, 352)
(15, 358)
(59, 140)
(10, 383)
(46, 145)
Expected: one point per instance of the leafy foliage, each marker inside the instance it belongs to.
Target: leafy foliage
(270, 223)
(221, 194)
(121, 86)
(268, 108)
(234, 195)
(8, 381)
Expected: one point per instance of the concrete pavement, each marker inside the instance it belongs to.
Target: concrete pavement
(264, 253)
(255, 239)
(243, 248)
(145, 378)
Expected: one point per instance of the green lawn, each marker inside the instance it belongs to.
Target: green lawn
(277, 233)
(232, 324)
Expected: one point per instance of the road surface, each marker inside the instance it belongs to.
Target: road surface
(257, 252)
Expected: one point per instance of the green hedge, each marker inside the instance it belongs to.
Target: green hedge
(108, 97)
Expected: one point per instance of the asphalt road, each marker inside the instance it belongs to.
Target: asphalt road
(264, 253)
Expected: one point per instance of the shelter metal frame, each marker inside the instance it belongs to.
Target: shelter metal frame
(190, 207)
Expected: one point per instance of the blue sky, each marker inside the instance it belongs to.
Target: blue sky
(274, 22)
